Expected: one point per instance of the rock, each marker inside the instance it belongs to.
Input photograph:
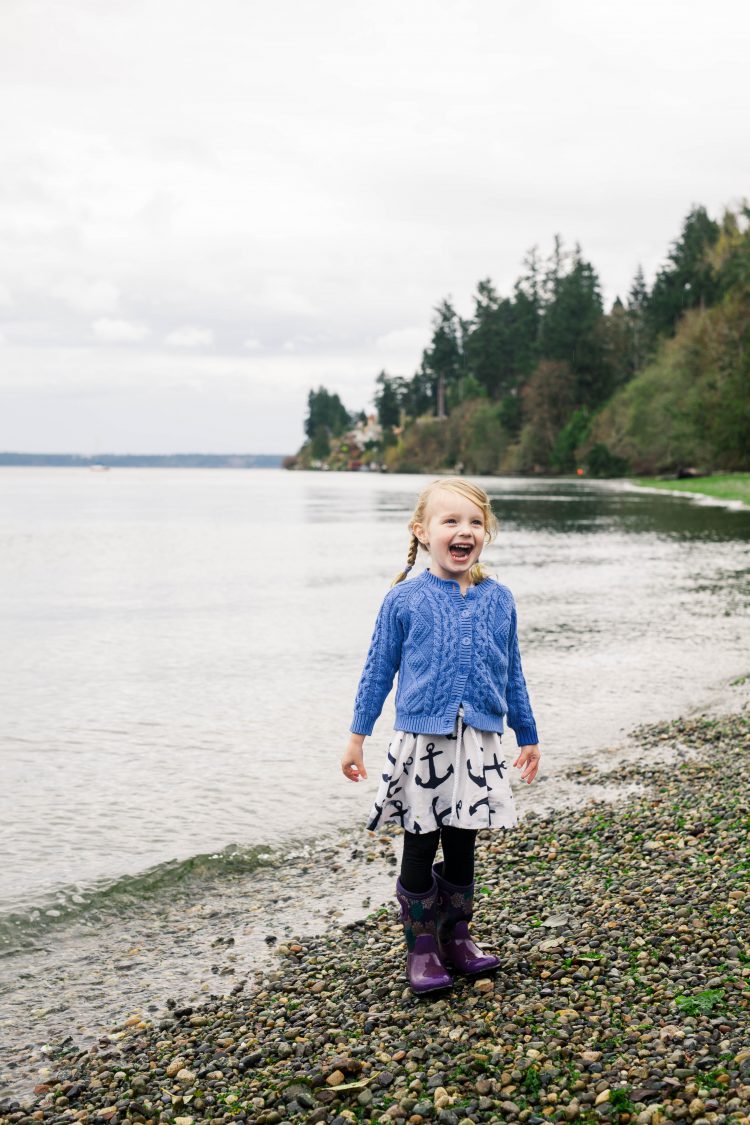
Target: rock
(447, 1117)
(556, 921)
(336, 1078)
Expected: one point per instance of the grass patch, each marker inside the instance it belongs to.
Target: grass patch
(722, 486)
(701, 1003)
(531, 1082)
(620, 1100)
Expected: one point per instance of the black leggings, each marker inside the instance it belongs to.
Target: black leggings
(419, 855)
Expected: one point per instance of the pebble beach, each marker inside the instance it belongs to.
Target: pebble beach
(624, 992)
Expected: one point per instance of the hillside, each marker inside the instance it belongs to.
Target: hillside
(544, 380)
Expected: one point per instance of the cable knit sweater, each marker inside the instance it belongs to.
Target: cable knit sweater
(448, 649)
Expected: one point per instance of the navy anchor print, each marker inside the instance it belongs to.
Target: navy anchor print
(430, 780)
(433, 781)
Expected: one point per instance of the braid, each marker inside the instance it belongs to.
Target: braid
(411, 558)
(478, 573)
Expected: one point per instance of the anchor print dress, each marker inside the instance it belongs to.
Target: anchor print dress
(459, 779)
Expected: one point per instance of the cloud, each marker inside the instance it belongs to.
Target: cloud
(322, 180)
(401, 340)
(111, 331)
(87, 295)
(281, 295)
(190, 336)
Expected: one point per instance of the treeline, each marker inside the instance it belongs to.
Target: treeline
(543, 380)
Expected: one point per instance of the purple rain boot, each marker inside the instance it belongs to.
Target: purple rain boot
(455, 909)
(425, 970)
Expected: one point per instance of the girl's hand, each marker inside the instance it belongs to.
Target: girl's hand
(528, 762)
(353, 761)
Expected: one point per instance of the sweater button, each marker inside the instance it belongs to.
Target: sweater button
(466, 640)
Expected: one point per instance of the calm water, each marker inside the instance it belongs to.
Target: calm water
(181, 650)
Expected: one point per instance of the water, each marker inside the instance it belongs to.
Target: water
(181, 650)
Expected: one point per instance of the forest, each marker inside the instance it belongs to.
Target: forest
(543, 380)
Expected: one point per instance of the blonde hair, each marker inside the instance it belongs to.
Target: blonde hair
(469, 491)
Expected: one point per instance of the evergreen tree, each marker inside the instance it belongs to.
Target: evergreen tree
(637, 303)
(489, 341)
(320, 445)
(444, 359)
(419, 397)
(325, 411)
(616, 336)
(527, 326)
(687, 280)
(570, 326)
(388, 399)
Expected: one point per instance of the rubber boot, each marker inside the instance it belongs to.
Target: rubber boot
(426, 971)
(455, 907)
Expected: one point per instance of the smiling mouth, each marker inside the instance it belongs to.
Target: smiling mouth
(460, 552)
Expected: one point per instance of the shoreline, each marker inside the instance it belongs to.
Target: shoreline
(624, 991)
(734, 502)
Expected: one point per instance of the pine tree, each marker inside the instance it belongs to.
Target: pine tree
(326, 412)
(637, 303)
(687, 281)
(388, 398)
(571, 325)
(444, 359)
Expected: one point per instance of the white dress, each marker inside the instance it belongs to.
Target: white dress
(459, 779)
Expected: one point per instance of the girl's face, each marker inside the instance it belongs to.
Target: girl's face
(454, 531)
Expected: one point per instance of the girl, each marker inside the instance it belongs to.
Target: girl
(451, 633)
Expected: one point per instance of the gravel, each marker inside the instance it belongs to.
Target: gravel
(623, 995)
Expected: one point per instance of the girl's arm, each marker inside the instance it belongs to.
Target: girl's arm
(381, 665)
(520, 715)
(528, 762)
(353, 762)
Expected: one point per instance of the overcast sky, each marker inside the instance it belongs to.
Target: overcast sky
(208, 208)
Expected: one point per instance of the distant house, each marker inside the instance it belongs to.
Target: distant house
(356, 440)
(365, 432)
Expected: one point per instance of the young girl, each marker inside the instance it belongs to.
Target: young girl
(451, 633)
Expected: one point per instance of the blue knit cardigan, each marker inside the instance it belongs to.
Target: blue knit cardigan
(448, 649)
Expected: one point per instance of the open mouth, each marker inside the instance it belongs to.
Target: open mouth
(459, 552)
